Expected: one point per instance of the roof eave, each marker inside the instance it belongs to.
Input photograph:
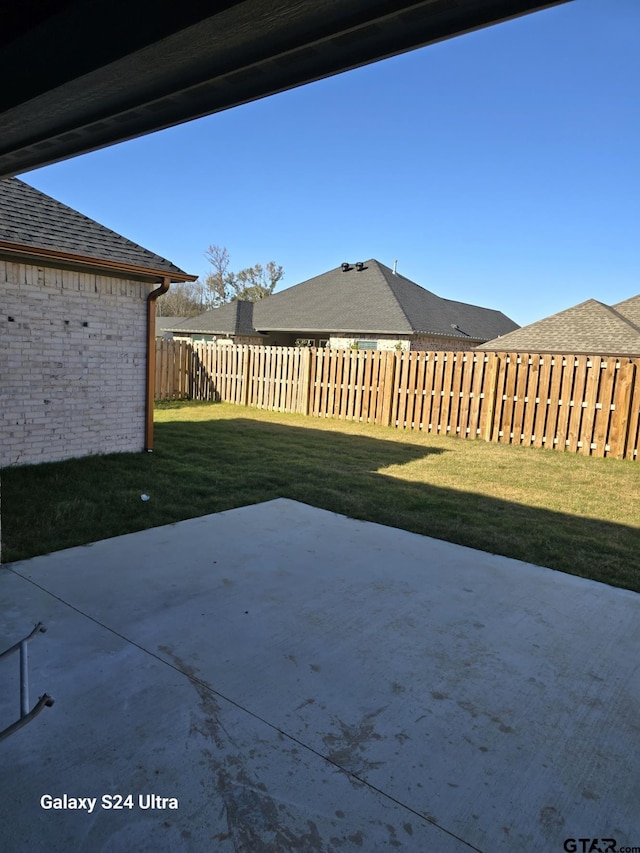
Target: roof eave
(601, 353)
(451, 335)
(184, 331)
(235, 332)
(103, 264)
(361, 331)
(333, 331)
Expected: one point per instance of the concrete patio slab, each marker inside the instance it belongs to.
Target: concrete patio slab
(298, 680)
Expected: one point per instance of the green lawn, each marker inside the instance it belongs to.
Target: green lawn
(572, 513)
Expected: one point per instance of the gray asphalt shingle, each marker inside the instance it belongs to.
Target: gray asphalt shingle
(591, 328)
(168, 324)
(234, 318)
(374, 300)
(30, 218)
(630, 310)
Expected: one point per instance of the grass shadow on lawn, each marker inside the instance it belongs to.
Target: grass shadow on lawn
(201, 467)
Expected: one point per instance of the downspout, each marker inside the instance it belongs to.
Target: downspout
(151, 361)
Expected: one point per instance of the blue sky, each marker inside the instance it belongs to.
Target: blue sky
(500, 168)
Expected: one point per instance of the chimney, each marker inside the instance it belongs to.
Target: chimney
(395, 266)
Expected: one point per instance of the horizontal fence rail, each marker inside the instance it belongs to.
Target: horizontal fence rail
(583, 404)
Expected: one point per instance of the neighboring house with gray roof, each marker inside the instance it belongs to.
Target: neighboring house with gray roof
(368, 306)
(590, 328)
(165, 326)
(77, 337)
(231, 322)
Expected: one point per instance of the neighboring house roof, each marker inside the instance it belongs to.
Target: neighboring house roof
(32, 222)
(168, 324)
(591, 328)
(629, 309)
(234, 318)
(374, 300)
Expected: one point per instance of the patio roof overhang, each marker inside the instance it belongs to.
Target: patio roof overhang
(81, 76)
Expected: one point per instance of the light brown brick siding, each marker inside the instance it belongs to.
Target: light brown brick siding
(68, 389)
(251, 340)
(426, 343)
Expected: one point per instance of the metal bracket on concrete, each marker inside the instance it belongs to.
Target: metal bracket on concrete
(26, 715)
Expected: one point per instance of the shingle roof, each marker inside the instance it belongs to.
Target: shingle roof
(169, 324)
(591, 328)
(629, 309)
(371, 301)
(231, 319)
(32, 219)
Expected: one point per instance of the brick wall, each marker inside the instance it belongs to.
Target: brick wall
(423, 343)
(385, 342)
(251, 340)
(426, 343)
(72, 364)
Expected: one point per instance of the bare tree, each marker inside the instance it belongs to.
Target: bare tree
(252, 283)
(218, 285)
(181, 300)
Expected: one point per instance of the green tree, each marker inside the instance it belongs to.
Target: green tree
(257, 282)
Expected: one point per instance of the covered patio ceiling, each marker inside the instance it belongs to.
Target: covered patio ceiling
(80, 76)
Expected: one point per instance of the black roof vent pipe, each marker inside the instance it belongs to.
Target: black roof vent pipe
(345, 267)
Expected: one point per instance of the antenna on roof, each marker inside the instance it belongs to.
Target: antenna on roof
(395, 266)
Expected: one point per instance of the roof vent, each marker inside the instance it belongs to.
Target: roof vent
(455, 326)
(345, 267)
(395, 267)
(359, 266)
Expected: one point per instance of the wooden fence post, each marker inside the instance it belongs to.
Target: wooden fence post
(389, 389)
(246, 373)
(491, 403)
(627, 448)
(190, 370)
(632, 431)
(621, 422)
(304, 386)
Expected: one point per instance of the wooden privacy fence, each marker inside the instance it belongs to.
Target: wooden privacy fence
(265, 377)
(585, 404)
